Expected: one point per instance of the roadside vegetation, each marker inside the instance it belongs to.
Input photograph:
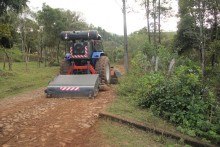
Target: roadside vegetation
(163, 83)
(181, 98)
(116, 134)
(21, 79)
(173, 78)
(176, 76)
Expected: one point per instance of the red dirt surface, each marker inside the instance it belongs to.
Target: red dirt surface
(30, 119)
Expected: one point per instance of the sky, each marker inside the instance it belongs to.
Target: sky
(106, 14)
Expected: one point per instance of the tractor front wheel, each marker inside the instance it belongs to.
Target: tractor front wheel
(102, 68)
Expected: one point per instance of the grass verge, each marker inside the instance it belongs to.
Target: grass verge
(116, 134)
(122, 107)
(20, 80)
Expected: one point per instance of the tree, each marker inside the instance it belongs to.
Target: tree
(214, 9)
(154, 15)
(201, 9)
(7, 6)
(28, 30)
(159, 14)
(198, 27)
(5, 27)
(12, 5)
(164, 11)
(155, 11)
(146, 4)
(52, 22)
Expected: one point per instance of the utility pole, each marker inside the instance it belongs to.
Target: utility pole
(125, 38)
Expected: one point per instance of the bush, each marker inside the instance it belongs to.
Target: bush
(181, 99)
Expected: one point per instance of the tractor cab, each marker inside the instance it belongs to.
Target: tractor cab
(84, 44)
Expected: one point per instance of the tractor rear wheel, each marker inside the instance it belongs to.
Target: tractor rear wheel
(64, 68)
(102, 68)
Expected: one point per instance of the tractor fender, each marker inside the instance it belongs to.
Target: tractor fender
(96, 55)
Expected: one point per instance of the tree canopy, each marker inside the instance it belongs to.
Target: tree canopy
(12, 5)
(5, 27)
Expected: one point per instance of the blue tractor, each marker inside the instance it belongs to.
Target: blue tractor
(86, 68)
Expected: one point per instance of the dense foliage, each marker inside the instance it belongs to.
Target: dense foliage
(12, 5)
(198, 30)
(181, 98)
(6, 8)
(186, 93)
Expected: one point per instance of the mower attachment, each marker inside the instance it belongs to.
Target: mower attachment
(74, 86)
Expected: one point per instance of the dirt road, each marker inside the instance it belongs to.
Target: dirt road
(30, 119)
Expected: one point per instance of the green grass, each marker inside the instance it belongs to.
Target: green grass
(20, 80)
(116, 134)
(123, 107)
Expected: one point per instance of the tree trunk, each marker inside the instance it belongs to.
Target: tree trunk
(26, 46)
(147, 9)
(22, 43)
(215, 31)
(156, 63)
(216, 19)
(58, 51)
(26, 62)
(26, 55)
(41, 47)
(159, 33)
(201, 34)
(9, 64)
(9, 60)
(38, 54)
(4, 62)
(41, 54)
(29, 52)
(45, 57)
(155, 26)
(213, 61)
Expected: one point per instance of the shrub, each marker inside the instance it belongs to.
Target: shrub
(181, 99)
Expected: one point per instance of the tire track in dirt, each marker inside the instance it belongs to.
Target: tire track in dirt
(30, 119)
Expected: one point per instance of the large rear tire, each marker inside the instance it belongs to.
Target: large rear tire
(64, 68)
(102, 68)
